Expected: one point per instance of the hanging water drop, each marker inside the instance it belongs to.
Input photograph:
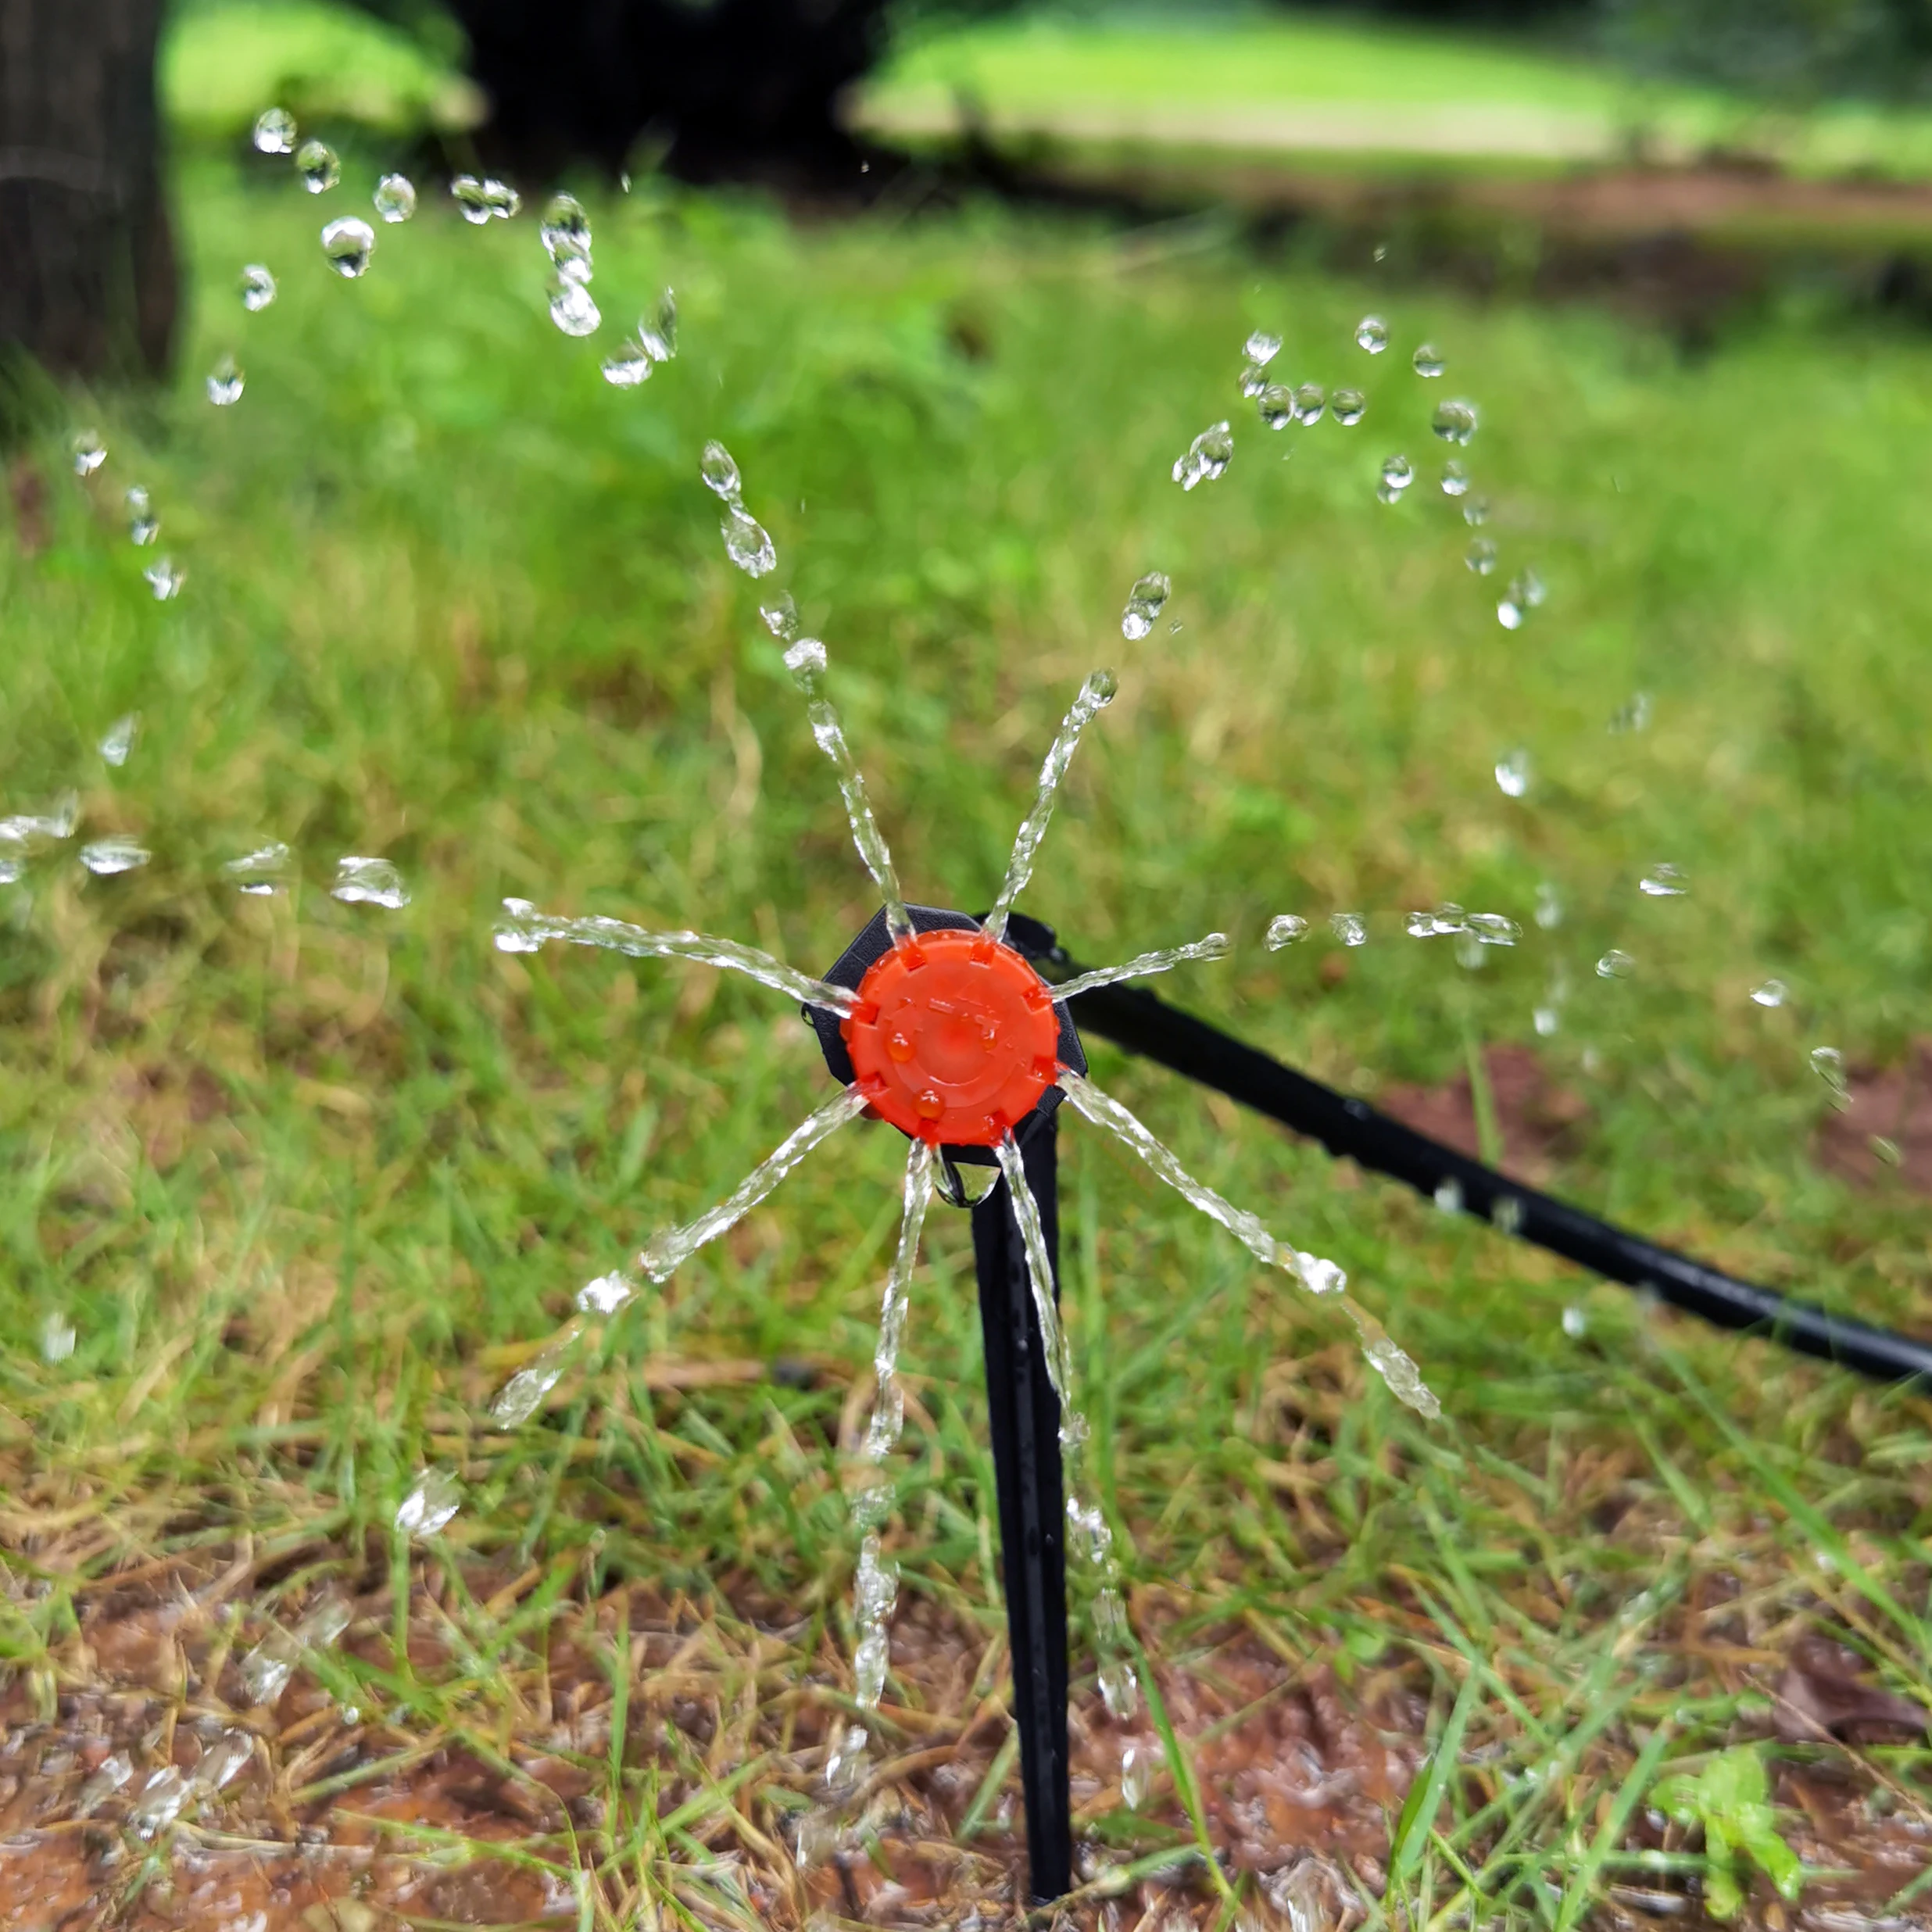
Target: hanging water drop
(1274, 403)
(1349, 927)
(89, 452)
(1480, 557)
(317, 165)
(1428, 361)
(1348, 406)
(1615, 964)
(1311, 400)
(1663, 881)
(258, 288)
(1261, 347)
(395, 198)
(1773, 993)
(720, 472)
(164, 579)
(1372, 333)
(572, 309)
(628, 367)
(347, 245)
(1454, 422)
(657, 331)
(746, 543)
(1512, 774)
(1208, 456)
(225, 383)
(1144, 604)
(274, 131)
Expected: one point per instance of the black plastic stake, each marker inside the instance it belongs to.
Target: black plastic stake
(1023, 1414)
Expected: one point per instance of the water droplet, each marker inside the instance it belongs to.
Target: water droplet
(1397, 474)
(1134, 1773)
(720, 472)
(1773, 993)
(1274, 403)
(1886, 1150)
(1349, 405)
(1311, 400)
(1512, 774)
(1575, 1323)
(628, 366)
(347, 245)
(258, 288)
(1469, 954)
(143, 525)
(119, 739)
(430, 1505)
(1261, 347)
(565, 233)
(89, 452)
(500, 199)
(316, 164)
(395, 198)
(1208, 456)
(1476, 511)
(847, 1761)
(1120, 1690)
(1454, 422)
(472, 199)
(806, 661)
(1615, 964)
(360, 882)
(1633, 716)
(1318, 1274)
(57, 1337)
(745, 542)
(1549, 907)
(1428, 361)
(605, 1295)
(657, 331)
(1506, 1214)
(104, 857)
(1828, 1064)
(1372, 333)
(1492, 928)
(1663, 881)
(163, 579)
(1144, 604)
(221, 1763)
(1449, 1195)
(520, 930)
(1349, 927)
(1456, 478)
(1545, 1020)
(258, 873)
(780, 618)
(1480, 557)
(115, 1772)
(1525, 593)
(572, 309)
(160, 1802)
(1286, 929)
(522, 1395)
(225, 383)
(275, 131)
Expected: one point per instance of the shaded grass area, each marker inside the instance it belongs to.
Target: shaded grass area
(309, 1180)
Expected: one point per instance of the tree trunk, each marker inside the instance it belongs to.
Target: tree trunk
(86, 267)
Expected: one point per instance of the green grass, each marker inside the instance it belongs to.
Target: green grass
(1311, 84)
(308, 1179)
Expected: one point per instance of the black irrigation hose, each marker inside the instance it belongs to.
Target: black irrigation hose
(1144, 1024)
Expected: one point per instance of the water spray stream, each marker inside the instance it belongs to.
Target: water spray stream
(888, 1401)
(1215, 945)
(1095, 696)
(525, 929)
(1039, 1270)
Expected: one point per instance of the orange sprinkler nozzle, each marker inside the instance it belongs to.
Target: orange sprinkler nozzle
(956, 1042)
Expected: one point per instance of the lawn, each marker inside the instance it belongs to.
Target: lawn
(1314, 85)
(292, 1185)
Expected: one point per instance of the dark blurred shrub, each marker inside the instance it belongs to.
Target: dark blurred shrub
(1792, 50)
